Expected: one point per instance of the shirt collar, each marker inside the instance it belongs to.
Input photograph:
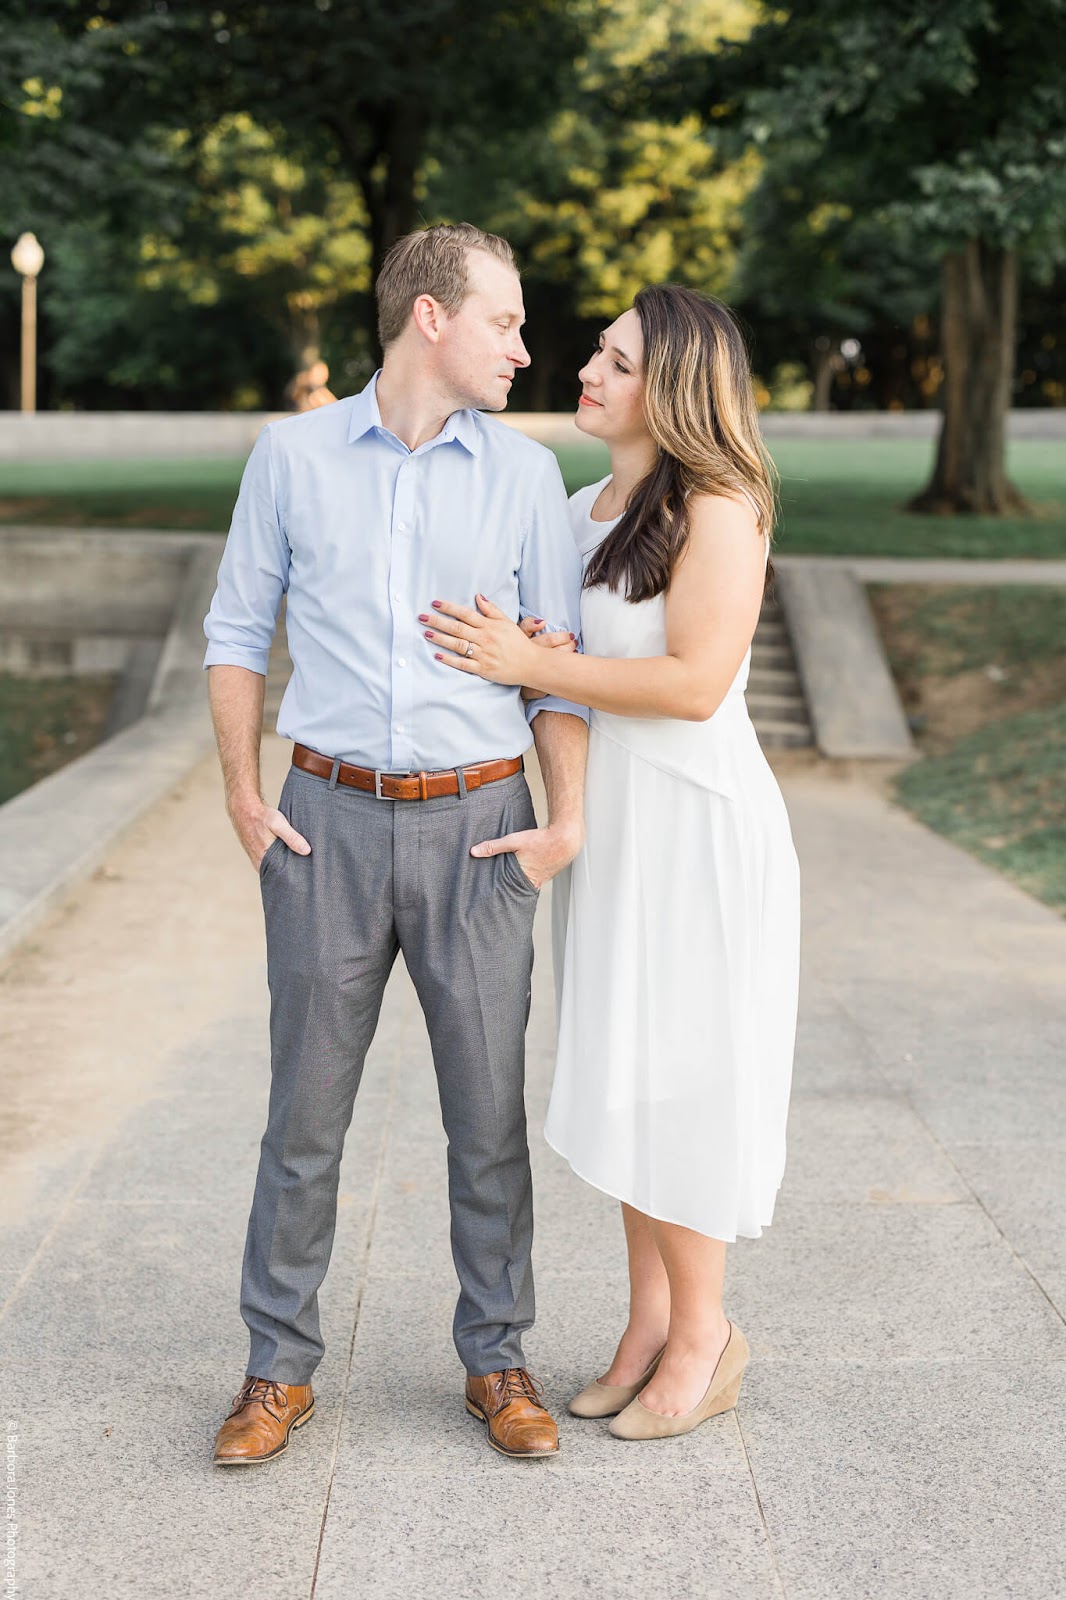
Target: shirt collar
(365, 415)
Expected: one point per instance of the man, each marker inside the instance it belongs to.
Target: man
(364, 512)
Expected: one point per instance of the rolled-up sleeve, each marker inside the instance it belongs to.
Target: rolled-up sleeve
(549, 579)
(254, 572)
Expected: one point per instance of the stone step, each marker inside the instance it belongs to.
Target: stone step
(774, 680)
(777, 707)
(776, 703)
(775, 657)
(783, 735)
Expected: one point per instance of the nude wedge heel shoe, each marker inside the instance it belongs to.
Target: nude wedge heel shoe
(607, 1399)
(637, 1422)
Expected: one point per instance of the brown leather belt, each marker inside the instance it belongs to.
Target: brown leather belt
(404, 786)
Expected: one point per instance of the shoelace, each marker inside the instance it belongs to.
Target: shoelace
(516, 1384)
(261, 1390)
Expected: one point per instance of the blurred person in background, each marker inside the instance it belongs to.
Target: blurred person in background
(310, 388)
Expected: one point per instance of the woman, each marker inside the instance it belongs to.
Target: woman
(677, 937)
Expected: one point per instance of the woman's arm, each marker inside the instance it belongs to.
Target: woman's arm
(712, 607)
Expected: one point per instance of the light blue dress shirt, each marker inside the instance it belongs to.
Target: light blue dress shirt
(362, 534)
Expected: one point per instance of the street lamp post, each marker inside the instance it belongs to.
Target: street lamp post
(27, 258)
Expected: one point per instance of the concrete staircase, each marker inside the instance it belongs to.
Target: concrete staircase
(775, 697)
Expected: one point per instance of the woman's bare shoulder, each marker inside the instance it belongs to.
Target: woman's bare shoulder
(731, 510)
(724, 527)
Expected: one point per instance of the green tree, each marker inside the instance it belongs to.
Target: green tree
(292, 231)
(612, 196)
(122, 100)
(945, 118)
(817, 274)
(380, 85)
(221, 301)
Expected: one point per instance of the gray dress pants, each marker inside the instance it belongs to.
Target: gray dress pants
(385, 876)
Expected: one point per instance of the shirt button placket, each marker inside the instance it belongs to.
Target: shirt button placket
(402, 605)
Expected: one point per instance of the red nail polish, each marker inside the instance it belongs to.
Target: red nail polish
(421, 618)
(574, 637)
(438, 657)
(427, 634)
(437, 604)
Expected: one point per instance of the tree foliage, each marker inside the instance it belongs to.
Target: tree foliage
(940, 123)
(215, 184)
(612, 196)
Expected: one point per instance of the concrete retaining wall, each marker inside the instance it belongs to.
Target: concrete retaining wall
(53, 835)
(851, 696)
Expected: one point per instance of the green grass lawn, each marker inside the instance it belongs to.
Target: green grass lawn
(846, 497)
(194, 494)
(983, 675)
(46, 722)
(838, 497)
(1001, 794)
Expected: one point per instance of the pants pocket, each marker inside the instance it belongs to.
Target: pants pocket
(270, 854)
(512, 869)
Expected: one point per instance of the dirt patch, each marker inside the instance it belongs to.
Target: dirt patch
(24, 508)
(944, 710)
(963, 658)
(63, 512)
(982, 675)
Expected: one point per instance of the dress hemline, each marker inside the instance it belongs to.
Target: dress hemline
(612, 1194)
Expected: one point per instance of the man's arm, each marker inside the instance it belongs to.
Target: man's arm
(562, 749)
(236, 696)
(562, 746)
(550, 581)
(240, 628)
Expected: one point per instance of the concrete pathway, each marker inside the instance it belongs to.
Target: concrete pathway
(900, 1430)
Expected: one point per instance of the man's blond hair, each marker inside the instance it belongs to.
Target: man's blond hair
(431, 261)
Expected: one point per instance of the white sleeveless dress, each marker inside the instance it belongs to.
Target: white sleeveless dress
(676, 939)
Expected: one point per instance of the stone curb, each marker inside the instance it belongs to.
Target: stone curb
(851, 696)
(961, 570)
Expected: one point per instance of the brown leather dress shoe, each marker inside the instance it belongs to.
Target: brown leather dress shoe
(263, 1415)
(509, 1404)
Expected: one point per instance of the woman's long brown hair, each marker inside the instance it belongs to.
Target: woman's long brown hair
(700, 410)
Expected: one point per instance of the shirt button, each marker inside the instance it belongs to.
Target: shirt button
(401, 527)
(401, 661)
(397, 727)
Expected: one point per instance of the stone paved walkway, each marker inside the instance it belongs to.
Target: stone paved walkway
(899, 1433)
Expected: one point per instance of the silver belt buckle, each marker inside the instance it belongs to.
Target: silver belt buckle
(380, 773)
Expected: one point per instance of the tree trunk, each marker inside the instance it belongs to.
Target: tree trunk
(978, 321)
(384, 164)
(305, 337)
(826, 364)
